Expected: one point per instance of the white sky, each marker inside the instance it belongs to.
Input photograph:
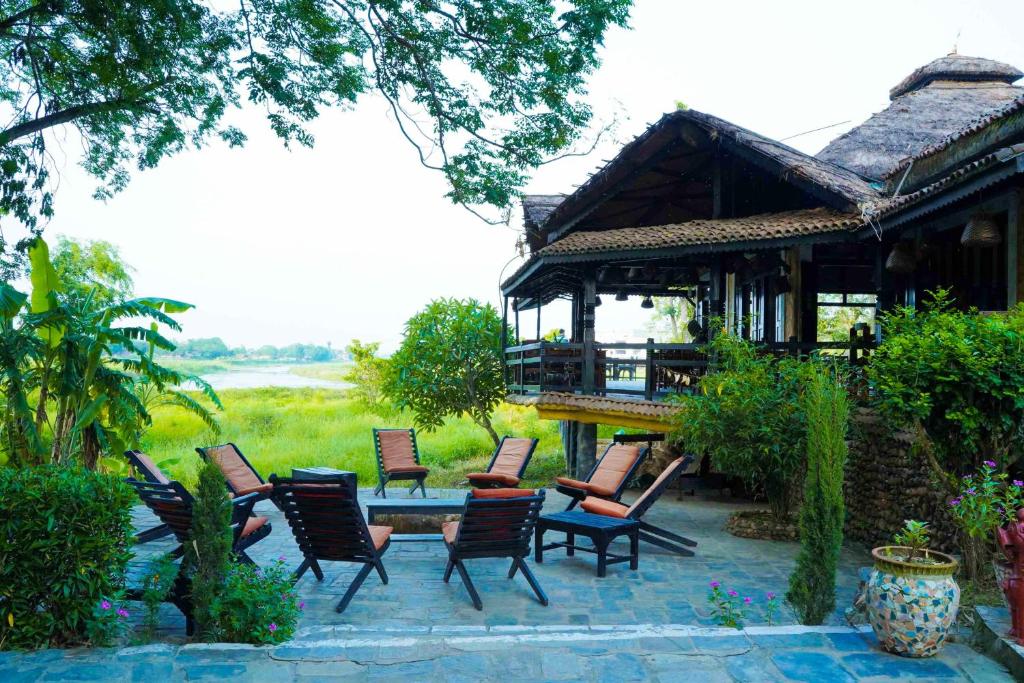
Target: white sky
(348, 239)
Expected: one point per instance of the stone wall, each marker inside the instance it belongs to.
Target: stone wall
(887, 483)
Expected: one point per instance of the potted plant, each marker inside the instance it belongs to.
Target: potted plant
(911, 597)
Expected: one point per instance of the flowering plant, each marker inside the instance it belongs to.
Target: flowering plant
(985, 501)
(107, 623)
(771, 608)
(257, 606)
(726, 607)
(163, 571)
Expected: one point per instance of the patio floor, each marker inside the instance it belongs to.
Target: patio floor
(651, 624)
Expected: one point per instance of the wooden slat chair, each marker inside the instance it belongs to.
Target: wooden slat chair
(496, 523)
(507, 464)
(609, 476)
(173, 505)
(648, 532)
(242, 478)
(398, 458)
(150, 471)
(328, 525)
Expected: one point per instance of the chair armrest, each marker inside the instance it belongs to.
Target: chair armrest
(241, 508)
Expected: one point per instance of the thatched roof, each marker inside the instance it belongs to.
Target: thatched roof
(932, 103)
(650, 415)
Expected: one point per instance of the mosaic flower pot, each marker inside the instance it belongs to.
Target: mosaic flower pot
(912, 606)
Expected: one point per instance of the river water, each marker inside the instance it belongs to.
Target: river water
(268, 376)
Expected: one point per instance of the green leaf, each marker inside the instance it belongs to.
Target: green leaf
(45, 285)
(168, 306)
(11, 300)
(89, 413)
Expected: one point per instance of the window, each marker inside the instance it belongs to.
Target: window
(780, 317)
(838, 312)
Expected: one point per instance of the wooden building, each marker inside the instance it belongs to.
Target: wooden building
(924, 194)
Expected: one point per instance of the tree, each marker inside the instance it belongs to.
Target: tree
(93, 267)
(208, 554)
(450, 363)
(812, 585)
(485, 91)
(368, 375)
(670, 317)
(206, 348)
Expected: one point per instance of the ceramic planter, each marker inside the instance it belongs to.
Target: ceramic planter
(911, 606)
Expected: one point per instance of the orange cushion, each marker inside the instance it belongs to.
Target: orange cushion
(151, 468)
(574, 483)
(396, 450)
(600, 506)
(506, 479)
(262, 488)
(450, 530)
(502, 493)
(668, 471)
(585, 486)
(408, 469)
(614, 465)
(252, 524)
(511, 456)
(379, 535)
(239, 475)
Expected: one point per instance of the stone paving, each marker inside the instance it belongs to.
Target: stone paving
(651, 624)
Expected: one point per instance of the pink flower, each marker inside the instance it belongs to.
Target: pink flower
(991, 464)
(770, 595)
(747, 600)
(733, 594)
(105, 605)
(715, 584)
(272, 627)
(123, 613)
(302, 605)
(1018, 483)
(281, 558)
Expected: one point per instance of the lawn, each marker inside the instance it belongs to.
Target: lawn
(280, 428)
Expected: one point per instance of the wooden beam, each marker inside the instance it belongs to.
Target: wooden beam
(1013, 249)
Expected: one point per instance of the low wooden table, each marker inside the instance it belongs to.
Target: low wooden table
(317, 473)
(601, 530)
(414, 506)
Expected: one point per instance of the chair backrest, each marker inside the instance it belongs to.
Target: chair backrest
(324, 516)
(145, 466)
(239, 474)
(173, 505)
(512, 456)
(616, 466)
(395, 448)
(660, 485)
(498, 522)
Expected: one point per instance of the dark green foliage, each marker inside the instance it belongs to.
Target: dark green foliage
(812, 584)
(450, 363)
(65, 535)
(257, 606)
(208, 551)
(748, 418)
(495, 85)
(960, 376)
(156, 586)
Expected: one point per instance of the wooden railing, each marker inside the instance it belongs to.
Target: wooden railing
(645, 370)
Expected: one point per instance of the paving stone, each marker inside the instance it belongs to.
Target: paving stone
(866, 665)
(86, 672)
(797, 641)
(855, 642)
(619, 667)
(754, 667)
(153, 671)
(564, 665)
(676, 668)
(810, 666)
(721, 645)
(199, 672)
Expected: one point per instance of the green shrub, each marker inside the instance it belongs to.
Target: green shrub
(208, 552)
(65, 535)
(257, 606)
(749, 419)
(812, 584)
(156, 586)
(368, 376)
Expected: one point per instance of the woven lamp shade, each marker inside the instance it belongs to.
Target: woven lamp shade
(901, 259)
(981, 231)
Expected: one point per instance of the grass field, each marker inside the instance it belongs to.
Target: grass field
(280, 428)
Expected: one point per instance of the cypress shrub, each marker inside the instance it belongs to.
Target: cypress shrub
(65, 539)
(812, 584)
(208, 552)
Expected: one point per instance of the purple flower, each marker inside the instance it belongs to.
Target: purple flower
(991, 464)
(953, 503)
(971, 491)
(105, 605)
(272, 627)
(770, 596)
(747, 600)
(1018, 483)
(302, 605)
(733, 594)
(281, 558)
(715, 584)
(122, 612)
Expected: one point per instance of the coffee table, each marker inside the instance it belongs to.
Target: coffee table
(414, 506)
(600, 529)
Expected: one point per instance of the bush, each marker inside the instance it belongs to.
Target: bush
(812, 586)
(257, 606)
(749, 420)
(65, 535)
(209, 551)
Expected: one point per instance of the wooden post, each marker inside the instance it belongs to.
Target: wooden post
(1013, 249)
(515, 312)
(504, 327)
(649, 371)
(589, 355)
(538, 320)
(586, 449)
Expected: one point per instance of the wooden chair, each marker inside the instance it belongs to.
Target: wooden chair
(507, 464)
(241, 476)
(328, 525)
(609, 476)
(648, 532)
(398, 458)
(173, 505)
(150, 471)
(496, 523)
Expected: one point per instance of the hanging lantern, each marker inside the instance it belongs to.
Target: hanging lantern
(597, 301)
(981, 231)
(647, 303)
(621, 295)
(901, 259)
